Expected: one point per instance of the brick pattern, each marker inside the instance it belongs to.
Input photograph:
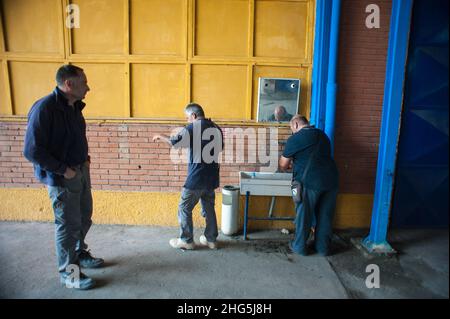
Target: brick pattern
(361, 73)
(123, 158)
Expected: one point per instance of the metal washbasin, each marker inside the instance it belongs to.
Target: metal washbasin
(265, 184)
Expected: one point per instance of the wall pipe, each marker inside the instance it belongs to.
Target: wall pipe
(320, 63)
(330, 115)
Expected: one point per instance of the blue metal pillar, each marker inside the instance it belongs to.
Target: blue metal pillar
(320, 63)
(392, 104)
(330, 114)
(324, 86)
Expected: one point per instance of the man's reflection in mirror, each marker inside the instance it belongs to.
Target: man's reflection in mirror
(280, 115)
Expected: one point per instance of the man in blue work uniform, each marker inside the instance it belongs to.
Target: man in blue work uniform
(56, 144)
(309, 148)
(204, 139)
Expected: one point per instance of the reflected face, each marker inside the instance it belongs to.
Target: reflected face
(279, 113)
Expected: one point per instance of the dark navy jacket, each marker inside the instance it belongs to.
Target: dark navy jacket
(55, 138)
(322, 174)
(203, 172)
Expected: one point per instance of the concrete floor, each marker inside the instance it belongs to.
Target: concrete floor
(418, 270)
(141, 264)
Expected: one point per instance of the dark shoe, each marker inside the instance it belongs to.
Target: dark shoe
(84, 282)
(323, 253)
(88, 261)
(299, 252)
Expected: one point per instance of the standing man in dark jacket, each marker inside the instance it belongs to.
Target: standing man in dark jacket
(204, 139)
(309, 144)
(56, 144)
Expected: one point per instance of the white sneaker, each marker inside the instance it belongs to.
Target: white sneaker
(205, 242)
(178, 243)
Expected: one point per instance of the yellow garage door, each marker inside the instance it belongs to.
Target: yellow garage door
(148, 58)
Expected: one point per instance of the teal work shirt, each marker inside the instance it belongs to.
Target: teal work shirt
(322, 173)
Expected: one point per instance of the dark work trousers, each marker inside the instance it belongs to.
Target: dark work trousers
(190, 198)
(72, 206)
(318, 206)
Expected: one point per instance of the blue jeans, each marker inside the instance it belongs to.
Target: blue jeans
(72, 207)
(190, 198)
(318, 207)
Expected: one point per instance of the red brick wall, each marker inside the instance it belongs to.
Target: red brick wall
(123, 158)
(14, 169)
(361, 72)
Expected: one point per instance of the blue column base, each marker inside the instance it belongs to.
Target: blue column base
(382, 248)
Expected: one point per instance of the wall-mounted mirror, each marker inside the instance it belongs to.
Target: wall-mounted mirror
(277, 99)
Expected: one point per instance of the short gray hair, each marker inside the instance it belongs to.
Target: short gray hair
(300, 119)
(194, 108)
(67, 71)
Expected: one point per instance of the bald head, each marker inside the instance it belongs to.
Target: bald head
(298, 122)
(279, 112)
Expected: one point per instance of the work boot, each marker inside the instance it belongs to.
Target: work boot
(209, 244)
(180, 244)
(83, 283)
(88, 261)
(304, 252)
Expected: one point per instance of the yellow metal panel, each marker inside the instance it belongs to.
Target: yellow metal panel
(101, 27)
(251, 28)
(283, 72)
(158, 90)
(220, 33)
(32, 26)
(4, 109)
(29, 82)
(221, 90)
(281, 29)
(310, 30)
(158, 27)
(353, 210)
(107, 95)
(2, 36)
(221, 27)
(127, 92)
(126, 27)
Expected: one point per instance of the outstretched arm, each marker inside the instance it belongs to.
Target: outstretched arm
(163, 138)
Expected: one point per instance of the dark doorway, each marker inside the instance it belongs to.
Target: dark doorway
(421, 195)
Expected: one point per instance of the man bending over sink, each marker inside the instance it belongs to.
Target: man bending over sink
(308, 150)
